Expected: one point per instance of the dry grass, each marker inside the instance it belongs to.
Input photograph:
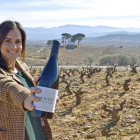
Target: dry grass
(66, 57)
(77, 56)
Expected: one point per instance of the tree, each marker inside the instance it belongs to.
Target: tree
(90, 60)
(79, 37)
(49, 42)
(120, 46)
(74, 38)
(65, 36)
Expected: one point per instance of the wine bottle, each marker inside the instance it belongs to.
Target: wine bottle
(49, 83)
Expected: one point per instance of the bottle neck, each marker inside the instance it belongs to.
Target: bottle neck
(55, 47)
(54, 50)
(52, 54)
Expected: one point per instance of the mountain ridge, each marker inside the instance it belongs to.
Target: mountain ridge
(41, 33)
(118, 37)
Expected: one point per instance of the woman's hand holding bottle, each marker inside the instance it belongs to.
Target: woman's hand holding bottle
(28, 102)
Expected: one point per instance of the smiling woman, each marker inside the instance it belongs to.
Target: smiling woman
(12, 46)
(17, 89)
(7, 30)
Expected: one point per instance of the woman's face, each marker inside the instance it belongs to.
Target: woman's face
(12, 46)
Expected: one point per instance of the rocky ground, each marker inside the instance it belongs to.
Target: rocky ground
(91, 109)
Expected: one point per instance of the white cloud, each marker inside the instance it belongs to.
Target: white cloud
(50, 13)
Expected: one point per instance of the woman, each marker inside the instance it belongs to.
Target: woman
(17, 89)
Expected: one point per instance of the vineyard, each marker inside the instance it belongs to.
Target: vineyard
(97, 104)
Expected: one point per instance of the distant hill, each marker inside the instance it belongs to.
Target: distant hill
(90, 31)
(134, 38)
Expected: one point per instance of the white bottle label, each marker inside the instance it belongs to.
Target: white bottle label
(48, 99)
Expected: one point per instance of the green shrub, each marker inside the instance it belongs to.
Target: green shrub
(115, 59)
(71, 46)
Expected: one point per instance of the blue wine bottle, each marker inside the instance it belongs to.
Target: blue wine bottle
(49, 83)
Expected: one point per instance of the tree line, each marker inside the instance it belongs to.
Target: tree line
(66, 36)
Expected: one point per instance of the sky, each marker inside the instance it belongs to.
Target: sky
(54, 13)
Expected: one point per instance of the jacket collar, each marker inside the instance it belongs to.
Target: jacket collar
(23, 68)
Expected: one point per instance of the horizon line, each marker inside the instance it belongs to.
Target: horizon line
(82, 25)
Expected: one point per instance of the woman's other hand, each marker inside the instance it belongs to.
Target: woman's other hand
(36, 80)
(57, 100)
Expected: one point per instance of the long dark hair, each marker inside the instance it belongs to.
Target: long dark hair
(5, 27)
